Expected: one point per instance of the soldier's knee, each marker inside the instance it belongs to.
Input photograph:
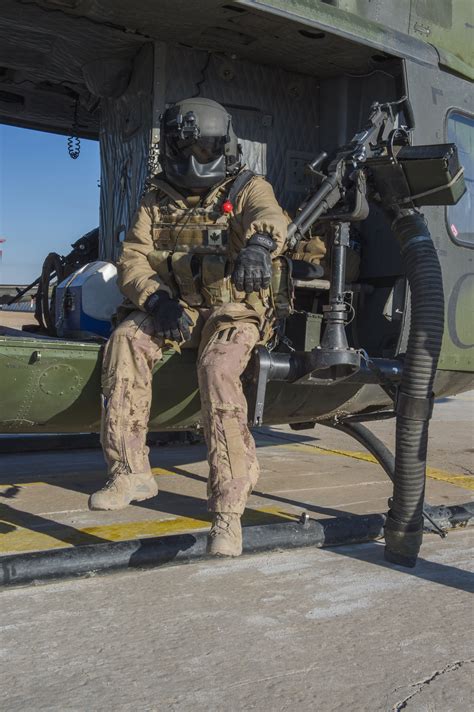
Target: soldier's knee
(129, 327)
(118, 350)
(126, 353)
(134, 334)
(216, 366)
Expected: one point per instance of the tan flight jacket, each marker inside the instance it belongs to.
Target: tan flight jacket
(256, 210)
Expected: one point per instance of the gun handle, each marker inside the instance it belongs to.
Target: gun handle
(409, 115)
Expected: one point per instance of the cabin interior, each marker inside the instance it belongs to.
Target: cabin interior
(107, 70)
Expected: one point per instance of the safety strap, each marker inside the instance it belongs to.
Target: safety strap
(243, 178)
(170, 192)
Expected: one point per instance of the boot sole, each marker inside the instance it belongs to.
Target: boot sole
(223, 552)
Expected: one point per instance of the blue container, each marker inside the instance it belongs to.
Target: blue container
(86, 302)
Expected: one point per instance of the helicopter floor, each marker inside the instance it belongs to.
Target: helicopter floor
(44, 495)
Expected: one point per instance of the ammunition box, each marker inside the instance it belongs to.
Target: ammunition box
(303, 329)
(433, 174)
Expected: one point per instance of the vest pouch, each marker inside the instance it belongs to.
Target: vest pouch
(215, 283)
(161, 237)
(312, 250)
(282, 287)
(184, 239)
(158, 260)
(259, 302)
(187, 279)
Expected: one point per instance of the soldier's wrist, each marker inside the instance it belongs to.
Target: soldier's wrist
(154, 299)
(263, 239)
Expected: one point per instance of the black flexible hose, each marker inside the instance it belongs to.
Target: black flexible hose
(370, 441)
(44, 312)
(404, 526)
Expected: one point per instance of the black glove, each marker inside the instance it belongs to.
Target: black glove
(253, 266)
(170, 319)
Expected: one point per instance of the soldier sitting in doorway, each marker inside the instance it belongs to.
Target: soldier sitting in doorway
(196, 270)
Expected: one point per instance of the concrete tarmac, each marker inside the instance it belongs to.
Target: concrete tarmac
(328, 630)
(43, 495)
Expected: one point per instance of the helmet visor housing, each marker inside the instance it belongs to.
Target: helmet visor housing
(204, 149)
(198, 146)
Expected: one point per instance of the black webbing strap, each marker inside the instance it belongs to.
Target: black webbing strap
(239, 184)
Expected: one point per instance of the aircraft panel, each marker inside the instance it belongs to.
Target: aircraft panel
(434, 94)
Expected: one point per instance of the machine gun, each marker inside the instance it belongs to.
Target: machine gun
(377, 166)
(380, 166)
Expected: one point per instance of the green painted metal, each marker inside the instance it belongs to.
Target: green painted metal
(49, 386)
(54, 386)
(457, 350)
(446, 25)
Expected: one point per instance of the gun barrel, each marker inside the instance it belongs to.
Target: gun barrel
(304, 219)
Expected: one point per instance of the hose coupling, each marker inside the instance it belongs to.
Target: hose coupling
(414, 408)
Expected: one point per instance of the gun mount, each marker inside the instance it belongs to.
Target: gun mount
(379, 166)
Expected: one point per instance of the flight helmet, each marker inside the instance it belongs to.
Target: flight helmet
(198, 146)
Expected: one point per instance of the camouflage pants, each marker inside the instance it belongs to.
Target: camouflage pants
(129, 358)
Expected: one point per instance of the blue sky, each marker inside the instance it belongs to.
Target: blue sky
(47, 200)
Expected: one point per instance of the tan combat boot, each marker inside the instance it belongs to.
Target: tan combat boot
(225, 537)
(123, 488)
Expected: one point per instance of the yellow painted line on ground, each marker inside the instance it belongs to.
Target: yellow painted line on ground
(160, 471)
(354, 454)
(463, 481)
(59, 536)
(157, 471)
(290, 445)
(24, 484)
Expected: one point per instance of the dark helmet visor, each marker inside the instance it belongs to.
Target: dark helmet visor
(204, 149)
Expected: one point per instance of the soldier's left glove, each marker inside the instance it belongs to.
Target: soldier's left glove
(253, 266)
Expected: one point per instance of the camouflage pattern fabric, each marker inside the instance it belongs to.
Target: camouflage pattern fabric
(129, 358)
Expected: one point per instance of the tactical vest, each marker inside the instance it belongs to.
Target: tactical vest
(195, 247)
